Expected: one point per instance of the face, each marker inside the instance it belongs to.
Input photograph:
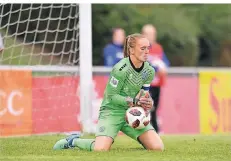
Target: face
(150, 33)
(141, 49)
(119, 36)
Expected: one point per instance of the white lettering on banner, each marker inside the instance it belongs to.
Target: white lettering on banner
(10, 100)
(2, 95)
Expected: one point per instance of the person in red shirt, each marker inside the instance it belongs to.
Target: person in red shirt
(159, 61)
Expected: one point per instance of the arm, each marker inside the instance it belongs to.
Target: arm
(150, 78)
(146, 101)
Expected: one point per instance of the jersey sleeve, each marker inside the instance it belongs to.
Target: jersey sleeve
(147, 83)
(115, 86)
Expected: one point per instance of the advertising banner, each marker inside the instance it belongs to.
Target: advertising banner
(215, 102)
(55, 104)
(15, 103)
(51, 104)
(178, 111)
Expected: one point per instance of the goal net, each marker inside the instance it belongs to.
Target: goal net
(41, 78)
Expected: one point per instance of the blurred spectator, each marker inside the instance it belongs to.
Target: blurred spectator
(1, 43)
(160, 62)
(113, 52)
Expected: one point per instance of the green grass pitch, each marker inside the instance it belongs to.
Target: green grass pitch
(177, 148)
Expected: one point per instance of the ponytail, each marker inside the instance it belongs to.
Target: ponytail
(126, 47)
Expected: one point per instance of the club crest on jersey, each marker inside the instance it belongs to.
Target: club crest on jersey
(114, 82)
(144, 75)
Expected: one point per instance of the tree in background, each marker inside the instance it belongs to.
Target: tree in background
(190, 34)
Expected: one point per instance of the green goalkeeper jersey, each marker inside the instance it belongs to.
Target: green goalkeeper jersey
(126, 81)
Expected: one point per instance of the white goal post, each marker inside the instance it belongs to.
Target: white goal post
(85, 65)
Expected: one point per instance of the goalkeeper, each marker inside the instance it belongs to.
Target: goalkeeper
(123, 90)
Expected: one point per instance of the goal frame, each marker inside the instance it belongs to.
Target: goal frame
(85, 61)
(84, 70)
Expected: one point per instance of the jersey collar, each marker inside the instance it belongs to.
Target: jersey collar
(136, 69)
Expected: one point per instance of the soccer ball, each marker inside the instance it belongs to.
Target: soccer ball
(137, 117)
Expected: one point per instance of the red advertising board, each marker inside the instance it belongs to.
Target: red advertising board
(51, 104)
(55, 104)
(178, 113)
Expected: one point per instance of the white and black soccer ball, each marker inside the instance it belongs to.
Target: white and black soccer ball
(137, 117)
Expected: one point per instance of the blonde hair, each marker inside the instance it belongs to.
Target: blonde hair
(130, 42)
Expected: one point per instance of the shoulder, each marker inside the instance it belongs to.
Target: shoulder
(149, 67)
(121, 67)
(157, 48)
(109, 46)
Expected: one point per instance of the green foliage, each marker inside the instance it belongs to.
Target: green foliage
(214, 22)
(16, 53)
(176, 32)
(180, 28)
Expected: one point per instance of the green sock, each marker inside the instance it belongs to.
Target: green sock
(84, 144)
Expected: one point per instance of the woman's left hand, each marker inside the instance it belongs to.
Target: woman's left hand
(146, 101)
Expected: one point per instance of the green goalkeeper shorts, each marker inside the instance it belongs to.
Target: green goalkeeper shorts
(110, 123)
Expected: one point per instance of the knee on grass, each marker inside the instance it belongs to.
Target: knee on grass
(156, 147)
(103, 143)
(101, 149)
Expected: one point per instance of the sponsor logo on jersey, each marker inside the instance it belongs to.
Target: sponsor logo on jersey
(114, 82)
(102, 129)
(122, 67)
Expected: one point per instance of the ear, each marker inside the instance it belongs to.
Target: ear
(132, 51)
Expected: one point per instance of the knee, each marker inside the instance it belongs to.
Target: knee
(157, 147)
(103, 143)
(101, 149)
